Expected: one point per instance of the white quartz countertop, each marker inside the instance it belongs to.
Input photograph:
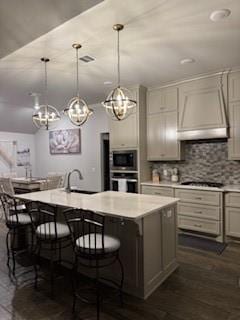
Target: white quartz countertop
(119, 204)
(178, 185)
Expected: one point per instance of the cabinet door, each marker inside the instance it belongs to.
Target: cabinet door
(168, 236)
(123, 134)
(201, 104)
(162, 140)
(156, 136)
(234, 140)
(233, 222)
(165, 99)
(234, 86)
(172, 145)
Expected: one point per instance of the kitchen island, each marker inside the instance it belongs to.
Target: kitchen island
(145, 225)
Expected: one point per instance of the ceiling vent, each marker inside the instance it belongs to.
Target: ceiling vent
(87, 59)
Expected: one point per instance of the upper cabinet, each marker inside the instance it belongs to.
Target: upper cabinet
(124, 133)
(162, 107)
(234, 116)
(202, 103)
(234, 86)
(161, 100)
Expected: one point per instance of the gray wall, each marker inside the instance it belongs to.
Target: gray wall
(88, 161)
(205, 161)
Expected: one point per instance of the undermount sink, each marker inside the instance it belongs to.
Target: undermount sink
(82, 191)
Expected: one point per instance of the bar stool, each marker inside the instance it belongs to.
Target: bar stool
(93, 249)
(51, 236)
(16, 221)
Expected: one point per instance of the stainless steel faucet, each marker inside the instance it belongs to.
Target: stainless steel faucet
(68, 188)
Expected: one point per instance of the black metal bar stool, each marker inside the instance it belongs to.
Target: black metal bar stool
(17, 221)
(93, 249)
(51, 236)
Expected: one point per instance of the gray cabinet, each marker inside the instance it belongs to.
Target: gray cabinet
(234, 86)
(234, 116)
(162, 143)
(124, 133)
(201, 211)
(161, 100)
(232, 213)
(202, 103)
(158, 190)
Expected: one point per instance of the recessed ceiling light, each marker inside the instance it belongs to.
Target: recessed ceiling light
(107, 83)
(219, 14)
(187, 60)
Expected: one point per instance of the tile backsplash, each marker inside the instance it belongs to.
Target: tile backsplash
(205, 160)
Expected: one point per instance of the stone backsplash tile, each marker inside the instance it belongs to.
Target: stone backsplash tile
(207, 160)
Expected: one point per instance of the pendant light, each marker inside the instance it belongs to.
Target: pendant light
(45, 116)
(118, 104)
(77, 110)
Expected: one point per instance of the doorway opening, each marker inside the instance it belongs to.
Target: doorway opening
(105, 161)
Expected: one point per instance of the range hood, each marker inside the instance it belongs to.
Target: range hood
(202, 109)
(203, 134)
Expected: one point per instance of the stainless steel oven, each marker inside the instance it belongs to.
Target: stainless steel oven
(124, 160)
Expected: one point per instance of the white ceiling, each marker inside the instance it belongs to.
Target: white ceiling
(157, 35)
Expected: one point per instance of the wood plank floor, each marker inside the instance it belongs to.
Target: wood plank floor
(205, 287)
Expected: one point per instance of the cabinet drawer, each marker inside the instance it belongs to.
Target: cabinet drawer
(199, 196)
(233, 222)
(196, 224)
(200, 211)
(161, 191)
(232, 199)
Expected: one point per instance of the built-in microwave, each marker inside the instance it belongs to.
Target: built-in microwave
(124, 160)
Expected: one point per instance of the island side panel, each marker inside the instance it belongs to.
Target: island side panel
(159, 248)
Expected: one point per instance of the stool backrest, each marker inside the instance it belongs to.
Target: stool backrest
(90, 226)
(9, 205)
(6, 186)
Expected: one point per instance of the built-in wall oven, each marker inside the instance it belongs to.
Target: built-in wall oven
(124, 182)
(124, 160)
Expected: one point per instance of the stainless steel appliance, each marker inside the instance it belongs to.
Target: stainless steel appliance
(124, 160)
(124, 182)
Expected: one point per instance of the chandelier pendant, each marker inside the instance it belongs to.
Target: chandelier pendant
(45, 116)
(77, 109)
(118, 103)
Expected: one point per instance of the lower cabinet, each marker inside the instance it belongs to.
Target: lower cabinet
(232, 214)
(200, 211)
(158, 191)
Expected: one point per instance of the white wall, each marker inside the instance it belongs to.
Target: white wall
(23, 141)
(88, 161)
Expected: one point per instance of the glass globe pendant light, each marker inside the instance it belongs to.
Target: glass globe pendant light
(77, 110)
(45, 116)
(118, 104)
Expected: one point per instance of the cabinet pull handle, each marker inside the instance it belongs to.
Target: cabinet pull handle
(158, 193)
(198, 225)
(198, 198)
(162, 108)
(200, 212)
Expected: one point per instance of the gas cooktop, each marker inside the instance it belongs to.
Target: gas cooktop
(202, 184)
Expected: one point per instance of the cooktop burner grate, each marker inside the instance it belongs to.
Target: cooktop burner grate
(202, 184)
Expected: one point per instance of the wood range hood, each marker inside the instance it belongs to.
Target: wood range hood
(202, 108)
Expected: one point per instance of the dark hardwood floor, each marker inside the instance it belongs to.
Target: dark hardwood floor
(205, 287)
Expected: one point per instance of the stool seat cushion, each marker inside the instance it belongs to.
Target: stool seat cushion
(111, 244)
(47, 230)
(19, 218)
